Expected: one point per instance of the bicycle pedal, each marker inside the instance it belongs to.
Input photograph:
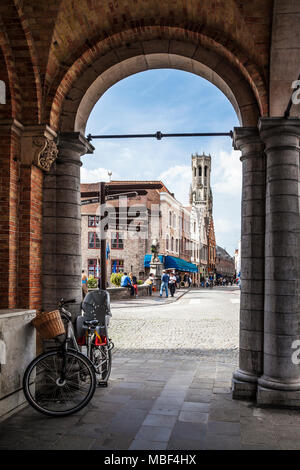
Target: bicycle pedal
(102, 384)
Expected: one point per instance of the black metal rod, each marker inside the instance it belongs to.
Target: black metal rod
(159, 135)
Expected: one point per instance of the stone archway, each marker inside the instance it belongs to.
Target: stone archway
(51, 62)
(82, 87)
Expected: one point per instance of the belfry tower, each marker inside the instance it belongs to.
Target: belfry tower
(200, 190)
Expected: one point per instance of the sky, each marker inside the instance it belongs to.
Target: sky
(169, 101)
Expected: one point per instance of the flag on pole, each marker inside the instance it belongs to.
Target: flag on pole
(114, 269)
(107, 251)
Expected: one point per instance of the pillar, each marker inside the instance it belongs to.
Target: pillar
(62, 224)
(10, 135)
(244, 384)
(280, 383)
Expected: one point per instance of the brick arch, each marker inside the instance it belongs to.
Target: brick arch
(18, 48)
(117, 57)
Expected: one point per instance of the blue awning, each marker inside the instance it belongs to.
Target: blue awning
(171, 262)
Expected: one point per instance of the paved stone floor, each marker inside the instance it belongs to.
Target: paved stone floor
(160, 399)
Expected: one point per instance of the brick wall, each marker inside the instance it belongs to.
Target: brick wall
(30, 259)
(9, 198)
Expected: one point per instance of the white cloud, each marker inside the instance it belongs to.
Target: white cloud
(95, 175)
(227, 174)
(178, 180)
(224, 226)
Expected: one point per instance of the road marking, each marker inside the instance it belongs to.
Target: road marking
(235, 301)
(195, 301)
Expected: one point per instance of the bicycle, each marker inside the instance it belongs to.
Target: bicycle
(63, 381)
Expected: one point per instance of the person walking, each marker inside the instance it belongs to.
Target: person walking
(149, 283)
(164, 283)
(172, 284)
(134, 289)
(84, 280)
(178, 281)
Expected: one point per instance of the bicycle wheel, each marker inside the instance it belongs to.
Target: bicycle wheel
(53, 393)
(101, 358)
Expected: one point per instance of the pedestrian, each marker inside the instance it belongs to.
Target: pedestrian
(178, 281)
(134, 289)
(189, 281)
(84, 286)
(149, 282)
(172, 283)
(164, 283)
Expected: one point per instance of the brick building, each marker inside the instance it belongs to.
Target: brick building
(156, 214)
(225, 264)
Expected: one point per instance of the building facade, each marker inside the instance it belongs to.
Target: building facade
(225, 264)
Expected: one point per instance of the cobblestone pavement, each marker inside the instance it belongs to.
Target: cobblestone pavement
(167, 391)
(202, 323)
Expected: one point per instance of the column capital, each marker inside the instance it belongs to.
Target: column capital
(38, 146)
(248, 141)
(75, 142)
(270, 127)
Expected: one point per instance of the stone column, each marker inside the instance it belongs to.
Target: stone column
(280, 383)
(245, 378)
(62, 224)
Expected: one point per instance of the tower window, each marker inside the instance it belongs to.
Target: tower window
(200, 170)
(205, 171)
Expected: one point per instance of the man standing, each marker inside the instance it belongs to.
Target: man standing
(172, 283)
(164, 283)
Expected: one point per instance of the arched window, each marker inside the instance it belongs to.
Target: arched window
(174, 221)
(172, 244)
(200, 170)
(167, 242)
(195, 171)
(170, 219)
(176, 245)
(205, 171)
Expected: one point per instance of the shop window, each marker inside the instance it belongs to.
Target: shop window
(93, 268)
(117, 265)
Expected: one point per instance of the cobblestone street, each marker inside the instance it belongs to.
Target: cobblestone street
(202, 323)
(169, 387)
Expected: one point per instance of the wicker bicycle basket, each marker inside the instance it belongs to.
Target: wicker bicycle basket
(49, 324)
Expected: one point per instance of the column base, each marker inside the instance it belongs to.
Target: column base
(244, 385)
(278, 398)
(273, 393)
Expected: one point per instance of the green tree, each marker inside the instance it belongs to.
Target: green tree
(115, 279)
(92, 282)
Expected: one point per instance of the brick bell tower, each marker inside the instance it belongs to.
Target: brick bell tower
(200, 190)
